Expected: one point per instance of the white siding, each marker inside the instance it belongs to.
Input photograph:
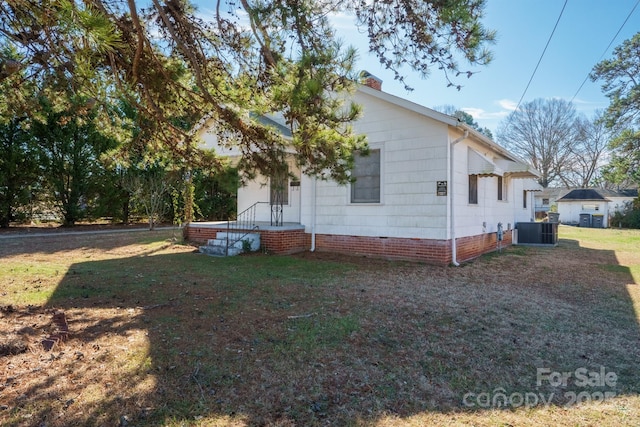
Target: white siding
(618, 204)
(258, 190)
(413, 157)
(414, 151)
(483, 217)
(570, 210)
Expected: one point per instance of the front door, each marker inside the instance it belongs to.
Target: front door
(292, 212)
(285, 199)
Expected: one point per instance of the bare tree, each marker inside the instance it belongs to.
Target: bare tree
(544, 132)
(148, 188)
(588, 152)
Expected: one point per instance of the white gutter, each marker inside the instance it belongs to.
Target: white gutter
(313, 215)
(454, 254)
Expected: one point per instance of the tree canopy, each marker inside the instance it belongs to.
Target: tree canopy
(252, 57)
(464, 117)
(620, 78)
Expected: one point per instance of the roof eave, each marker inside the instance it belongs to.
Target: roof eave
(582, 200)
(409, 105)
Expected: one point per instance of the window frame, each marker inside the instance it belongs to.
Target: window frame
(473, 189)
(354, 174)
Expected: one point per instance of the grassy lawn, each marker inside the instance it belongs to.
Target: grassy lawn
(160, 335)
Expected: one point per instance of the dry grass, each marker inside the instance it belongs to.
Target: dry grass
(159, 335)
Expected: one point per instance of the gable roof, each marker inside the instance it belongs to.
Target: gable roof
(583, 194)
(510, 165)
(553, 193)
(272, 121)
(629, 192)
(521, 167)
(596, 194)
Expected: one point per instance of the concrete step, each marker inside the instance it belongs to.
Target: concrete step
(217, 250)
(218, 246)
(223, 242)
(252, 238)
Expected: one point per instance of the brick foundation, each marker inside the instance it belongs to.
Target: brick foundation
(472, 247)
(435, 251)
(275, 241)
(289, 241)
(425, 250)
(199, 235)
(284, 242)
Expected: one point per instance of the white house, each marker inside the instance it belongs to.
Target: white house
(546, 199)
(592, 207)
(432, 189)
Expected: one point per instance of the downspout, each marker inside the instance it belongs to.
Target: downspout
(532, 200)
(313, 215)
(454, 254)
(514, 237)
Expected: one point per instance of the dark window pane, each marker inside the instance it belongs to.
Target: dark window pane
(473, 189)
(366, 171)
(280, 189)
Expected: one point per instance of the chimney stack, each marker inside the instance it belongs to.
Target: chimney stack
(370, 80)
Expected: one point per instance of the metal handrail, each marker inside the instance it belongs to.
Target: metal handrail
(245, 220)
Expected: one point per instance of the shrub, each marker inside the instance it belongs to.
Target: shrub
(628, 217)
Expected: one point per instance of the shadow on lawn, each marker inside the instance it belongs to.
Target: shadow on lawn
(276, 340)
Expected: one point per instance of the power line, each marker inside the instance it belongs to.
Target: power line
(607, 49)
(542, 55)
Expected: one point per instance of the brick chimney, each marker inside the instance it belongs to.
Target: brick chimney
(370, 80)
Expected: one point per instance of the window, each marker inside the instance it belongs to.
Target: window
(545, 202)
(473, 189)
(500, 188)
(366, 172)
(524, 199)
(591, 207)
(280, 188)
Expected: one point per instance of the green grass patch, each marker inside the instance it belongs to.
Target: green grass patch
(603, 238)
(314, 333)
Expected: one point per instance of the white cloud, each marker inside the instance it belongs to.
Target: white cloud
(345, 24)
(480, 114)
(483, 116)
(507, 104)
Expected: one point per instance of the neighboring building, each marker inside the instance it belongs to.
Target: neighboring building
(592, 207)
(432, 189)
(620, 199)
(546, 199)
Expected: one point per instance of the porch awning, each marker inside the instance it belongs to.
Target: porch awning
(481, 165)
(517, 169)
(532, 186)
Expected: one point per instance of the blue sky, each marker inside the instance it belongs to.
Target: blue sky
(523, 28)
